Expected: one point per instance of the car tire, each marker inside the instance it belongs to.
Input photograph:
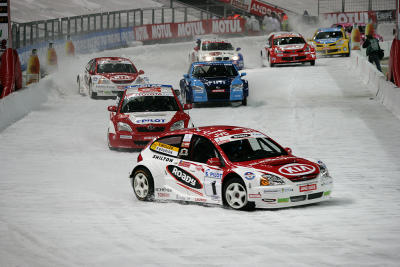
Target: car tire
(235, 195)
(92, 94)
(244, 101)
(312, 62)
(271, 65)
(143, 184)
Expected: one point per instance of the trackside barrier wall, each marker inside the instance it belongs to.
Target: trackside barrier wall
(386, 92)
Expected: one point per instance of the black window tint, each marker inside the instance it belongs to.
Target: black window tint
(149, 104)
(202, 149)
(168, 145)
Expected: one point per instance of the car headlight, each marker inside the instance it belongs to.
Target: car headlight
(341, 42)
(323, 170)
(104, 81)
(198, 88)
(270, 179)
(237, 87)
(208, 58)
(121, 126)
(235, 57)
(177, 125)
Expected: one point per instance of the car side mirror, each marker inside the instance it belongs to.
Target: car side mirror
(187, 106)
(141, 72)
(112, 108)
(186, 76)
(288, 150)
(214, 162)
(243, 74)
(238, 49)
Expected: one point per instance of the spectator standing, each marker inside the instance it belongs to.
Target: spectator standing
(373, 51)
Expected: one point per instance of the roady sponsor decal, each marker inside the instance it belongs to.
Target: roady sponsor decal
(163, 158)
(296, 169)
(184, 177)
(164, 148)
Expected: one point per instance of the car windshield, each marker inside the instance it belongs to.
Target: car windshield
(328, 35)
(252, 149)
(215, 70)
(115, 68)
(216, 46)
(289, 40)
(149, 103)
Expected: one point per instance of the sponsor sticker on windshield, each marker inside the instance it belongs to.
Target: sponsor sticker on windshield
(164, 148)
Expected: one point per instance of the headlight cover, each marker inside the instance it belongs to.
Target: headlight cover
(235, 57)
(323, 170)
(121, 126)
(341, 42)
(270, 179)
(237, 87)
(208, 58)
(177, 125)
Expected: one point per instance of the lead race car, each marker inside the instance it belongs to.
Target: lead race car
(287, 47)
(144, 112)
(108, 77)
(214, 82)
(238, 167)
(216, 50)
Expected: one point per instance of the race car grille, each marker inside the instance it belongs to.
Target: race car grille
(332, 50)
(332, 44)
(315, 195)
(307, 177)
(293, 51)
(219, 95)
(320, 45)
(122, 81)
(141, 143)
(298, 198)
(221, 58)
(150, 129)
(293, 58)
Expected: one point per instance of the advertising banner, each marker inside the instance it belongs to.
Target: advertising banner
(188, 29)
(261, 9)
(4, 19)
(361, 16)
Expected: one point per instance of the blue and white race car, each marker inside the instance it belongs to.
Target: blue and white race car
(214, 82)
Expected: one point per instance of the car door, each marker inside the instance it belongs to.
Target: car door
(87, 72)
(194, 154)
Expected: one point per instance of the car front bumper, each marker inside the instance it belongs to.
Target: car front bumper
(293, 58)
(128, 140)
(332, 50)
(296, 194)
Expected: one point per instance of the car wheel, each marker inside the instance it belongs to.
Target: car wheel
(143, 184)
(312, 62)
(235, 195)
(244, 101)
(91, 93)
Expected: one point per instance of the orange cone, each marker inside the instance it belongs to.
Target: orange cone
(33, 68)
(355, 38)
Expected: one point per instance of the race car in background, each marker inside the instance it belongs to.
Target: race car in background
(216, 50)
(287, 47)
(348, 27)
(214, 82)
(331, 41)
(227, 165)
(108, 77)
(144, 112)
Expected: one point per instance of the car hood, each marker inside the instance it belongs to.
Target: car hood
(151, 117)
(218, 53)
(286, 166)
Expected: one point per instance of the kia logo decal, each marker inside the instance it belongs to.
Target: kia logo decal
(296, 169)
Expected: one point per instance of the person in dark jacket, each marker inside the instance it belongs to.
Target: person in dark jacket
(373, 51)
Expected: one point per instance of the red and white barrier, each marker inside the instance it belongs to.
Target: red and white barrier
(10, 72)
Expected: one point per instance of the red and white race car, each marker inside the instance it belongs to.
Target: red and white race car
(216, 50)
(108, 76)
(144, 112)
(287, 47)
(227, 165)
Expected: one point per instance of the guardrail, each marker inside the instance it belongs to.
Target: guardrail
(31, 33)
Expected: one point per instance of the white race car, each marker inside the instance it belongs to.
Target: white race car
(108, 77)
(216, 50)
(234, 166)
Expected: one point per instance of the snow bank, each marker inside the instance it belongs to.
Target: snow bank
(386, 92)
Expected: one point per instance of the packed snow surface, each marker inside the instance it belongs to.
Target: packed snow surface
(66, 200)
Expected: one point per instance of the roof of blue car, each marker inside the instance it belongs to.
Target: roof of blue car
(335, 29)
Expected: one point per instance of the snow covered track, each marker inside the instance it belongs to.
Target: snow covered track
(65, 199)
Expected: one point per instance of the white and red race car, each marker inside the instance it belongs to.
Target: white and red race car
(287, 47)
(144, 112)
(216, 50)
(108, 77)
(228, 165)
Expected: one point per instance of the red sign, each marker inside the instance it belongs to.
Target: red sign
(308, 187)
(348, 17)
(187, 29)
(261, 9)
